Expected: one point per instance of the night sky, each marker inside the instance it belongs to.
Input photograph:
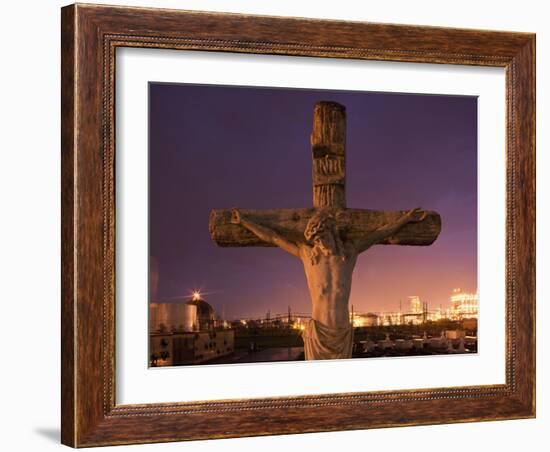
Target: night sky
(222, 147)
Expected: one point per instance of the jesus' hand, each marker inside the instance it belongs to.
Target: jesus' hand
(416, 215)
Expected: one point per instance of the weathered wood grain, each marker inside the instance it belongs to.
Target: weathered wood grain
(328, 146)
(291, 223)
(68, 244)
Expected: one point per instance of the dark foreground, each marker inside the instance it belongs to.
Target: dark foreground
(376, 342)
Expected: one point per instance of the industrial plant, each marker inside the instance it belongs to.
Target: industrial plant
(190, 332)
(187, 333)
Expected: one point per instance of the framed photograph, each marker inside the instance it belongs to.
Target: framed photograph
(281, 225)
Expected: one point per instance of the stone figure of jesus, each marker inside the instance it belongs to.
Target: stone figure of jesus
(329, 260)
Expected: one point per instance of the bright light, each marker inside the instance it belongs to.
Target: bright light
(196, 295)
(464, 305)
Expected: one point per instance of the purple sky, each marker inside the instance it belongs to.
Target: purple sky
(222, 147)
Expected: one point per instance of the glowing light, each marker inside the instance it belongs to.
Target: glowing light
(464, 305)
(196, 295)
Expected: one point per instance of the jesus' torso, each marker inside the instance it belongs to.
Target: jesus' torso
(329, 283)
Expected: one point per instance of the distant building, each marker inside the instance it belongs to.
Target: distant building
(178, 348)
(436, 315)
(187, 333)
(415, 314)
(390, 318)
(412, 318)
(464, 305)
(168, 317)
(204, 312)
(365, 320)
(415, 305)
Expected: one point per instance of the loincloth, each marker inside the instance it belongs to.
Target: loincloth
(322, 342)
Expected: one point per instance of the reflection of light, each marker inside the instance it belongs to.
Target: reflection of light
(196, 295)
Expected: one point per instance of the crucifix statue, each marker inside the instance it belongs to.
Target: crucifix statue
(328, 237)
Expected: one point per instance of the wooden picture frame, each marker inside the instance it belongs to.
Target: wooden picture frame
(90, 36)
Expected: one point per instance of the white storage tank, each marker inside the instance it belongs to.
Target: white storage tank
(189, 318)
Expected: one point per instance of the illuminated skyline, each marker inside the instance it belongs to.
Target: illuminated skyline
(215, 147)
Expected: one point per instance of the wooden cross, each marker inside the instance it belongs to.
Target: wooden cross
(328, 144)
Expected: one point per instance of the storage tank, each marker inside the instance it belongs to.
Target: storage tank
(159, 317)
(189, 318)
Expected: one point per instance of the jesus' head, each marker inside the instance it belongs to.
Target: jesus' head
(322, 233)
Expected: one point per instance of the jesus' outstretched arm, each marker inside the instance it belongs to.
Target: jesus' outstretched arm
(385, 231)
(265, 234)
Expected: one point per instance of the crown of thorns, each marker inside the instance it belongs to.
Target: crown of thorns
(318, 223)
